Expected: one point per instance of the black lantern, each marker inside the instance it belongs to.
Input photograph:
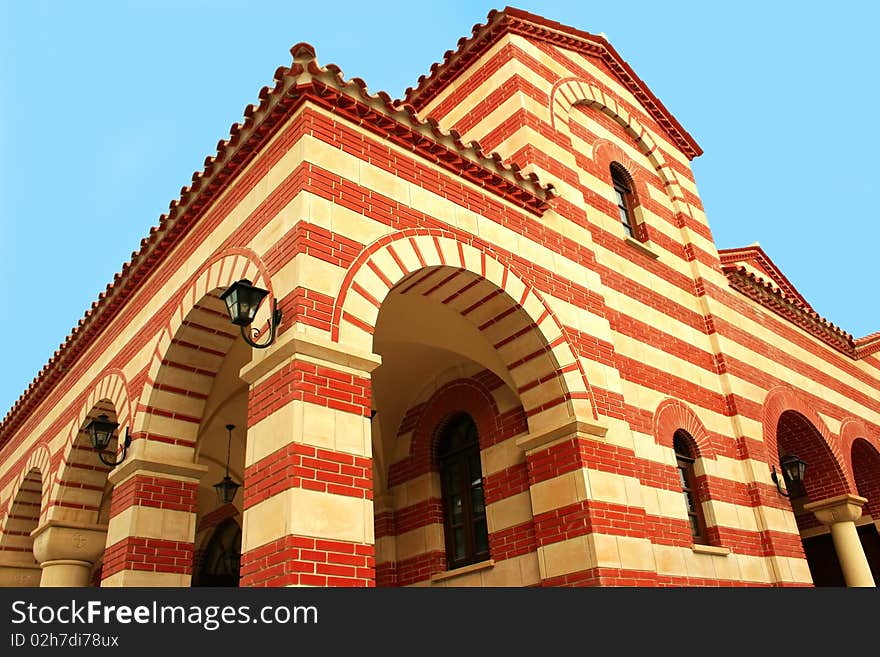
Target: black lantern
(227, 488)
(793, 470)
(100, 432)
(242, 301)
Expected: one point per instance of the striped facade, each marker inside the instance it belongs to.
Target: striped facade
(458, 251)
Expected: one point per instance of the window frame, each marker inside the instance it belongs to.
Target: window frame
(463, 456)
(684, 461)
(622, 184)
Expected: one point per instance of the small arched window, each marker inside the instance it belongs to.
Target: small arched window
(684, 460)
(461, 480)
(625, 198)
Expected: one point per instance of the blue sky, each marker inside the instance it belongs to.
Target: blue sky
(107, 108)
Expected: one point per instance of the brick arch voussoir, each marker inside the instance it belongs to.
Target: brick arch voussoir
(784, 398)
(221, 270)
(569, 92)
(672, 415)
(458, 396)
(606, 152)
(392, 258)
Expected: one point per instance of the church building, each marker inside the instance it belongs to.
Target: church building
(477, 336)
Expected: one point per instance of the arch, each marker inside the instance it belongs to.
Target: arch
(27, 506)
(852, 429)
(672, 415)
(861, 449)
(414, 257)
(161, 417)
(80, 480)
(782, 399)
(571, 91)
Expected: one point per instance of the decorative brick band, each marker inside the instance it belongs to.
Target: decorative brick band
(302, 466)
(304, 381)
(158, 492)
(304, 561)
(148, 554)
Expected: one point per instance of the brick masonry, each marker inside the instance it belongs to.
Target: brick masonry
(338, 200)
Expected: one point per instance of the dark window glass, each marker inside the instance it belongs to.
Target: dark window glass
(461, 478)
(625, 201)
(685, 464)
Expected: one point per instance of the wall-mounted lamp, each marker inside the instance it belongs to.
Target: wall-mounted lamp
(227, 488)
(100, 432)
(793, 470)
(243, 300)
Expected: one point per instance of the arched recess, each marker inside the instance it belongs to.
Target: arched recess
(467, 278)
(81, 489)
(27, 508)
(790, 423)
(410, 521)
(861, 449)
(572, 91)
(190, 351)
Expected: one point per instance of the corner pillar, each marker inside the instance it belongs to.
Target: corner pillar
(152, 525)
(840, 513)
(559, 492)
(308, 483)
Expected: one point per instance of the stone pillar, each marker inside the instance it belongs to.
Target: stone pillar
(308, 483)
(152, 523)
(840, 514)
(560, 494)
(67, 552)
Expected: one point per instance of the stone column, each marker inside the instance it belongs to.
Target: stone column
(840, 514)
(152, 523)
(308, 483)
(67, 552)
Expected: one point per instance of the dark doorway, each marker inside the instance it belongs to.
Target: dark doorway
(221, 564)
(822, 558)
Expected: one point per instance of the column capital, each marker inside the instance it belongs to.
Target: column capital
(293, 344)
(57, 540)
(840, 508)
(176, 469)
(529, 442)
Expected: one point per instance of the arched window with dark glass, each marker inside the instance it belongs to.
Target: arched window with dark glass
(461, 479)
(221, 565)
(625, 198)
(684, 460)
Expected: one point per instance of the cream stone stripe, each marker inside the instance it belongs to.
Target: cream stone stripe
(333, 517)
(151, 522)
(308, 424)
